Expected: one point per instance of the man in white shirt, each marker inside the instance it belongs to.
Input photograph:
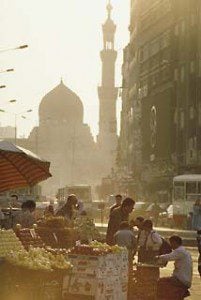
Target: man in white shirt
(178, 284)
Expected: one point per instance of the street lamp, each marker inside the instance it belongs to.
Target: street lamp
(16, 115)
(35, 127)
(7, 70)
(14, 48)
(9, 101)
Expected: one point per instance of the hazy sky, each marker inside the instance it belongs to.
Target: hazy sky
(64, 38)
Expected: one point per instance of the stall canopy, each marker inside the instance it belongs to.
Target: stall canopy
(20, 167)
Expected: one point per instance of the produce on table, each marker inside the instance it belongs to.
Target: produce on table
(48, 236)
(67, 237)
(57, 232)
(113, 249)
(9, 242)
(96, 248)
(29, 237)
(53, 222)
(57, 251)
(38, 259)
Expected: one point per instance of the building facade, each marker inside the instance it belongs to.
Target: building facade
(163, 101)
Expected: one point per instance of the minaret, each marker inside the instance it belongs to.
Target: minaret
(107, 92)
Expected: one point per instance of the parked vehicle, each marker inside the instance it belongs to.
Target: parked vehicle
(140, 210)
(166, 217)
(186, 189)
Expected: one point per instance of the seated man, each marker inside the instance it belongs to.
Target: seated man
(176, 286)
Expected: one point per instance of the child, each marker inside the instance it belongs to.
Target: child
(126, 238)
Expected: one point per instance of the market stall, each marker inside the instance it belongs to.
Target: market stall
(58, 232)
(31, 270)
(143, 282)
(99, 272)
(31, 274)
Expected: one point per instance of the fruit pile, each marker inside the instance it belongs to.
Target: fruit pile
(57, 251)
(8, 242)
(38, 259)
(29, 237)
(53, 222)
(95, 249)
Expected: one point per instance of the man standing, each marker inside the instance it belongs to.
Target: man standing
(178, 284)
(25, 217)
(118, 199)
(117, 216)
(15, 203)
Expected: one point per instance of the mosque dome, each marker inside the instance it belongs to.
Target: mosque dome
(61, 105)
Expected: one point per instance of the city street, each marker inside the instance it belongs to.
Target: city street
(100, 149)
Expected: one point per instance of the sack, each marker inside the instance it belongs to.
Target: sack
(165, 248)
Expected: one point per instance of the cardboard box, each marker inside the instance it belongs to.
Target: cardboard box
(103, 277)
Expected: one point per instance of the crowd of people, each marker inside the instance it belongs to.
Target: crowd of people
(24, 213)
(151, 248)
(137, 235)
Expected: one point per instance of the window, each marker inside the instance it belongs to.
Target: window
(199, 113)
(191, 112)
(190, 143)
(183, 26)
(141, 54)
(176, 74)
(175, 116)
(194, 142)
(165, 40)
(176, 30)
(190, 187)
(192, 19)
(192, 67)
(182, 74)
(155, 47)
(182, 120)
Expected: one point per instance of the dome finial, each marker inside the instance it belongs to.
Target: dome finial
(109, 9)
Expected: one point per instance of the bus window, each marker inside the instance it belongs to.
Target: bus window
(190, 187)
(178, 190)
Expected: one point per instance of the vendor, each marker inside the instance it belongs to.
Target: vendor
(67, 211)
(25, 217)
(117, 216)
(15, 203)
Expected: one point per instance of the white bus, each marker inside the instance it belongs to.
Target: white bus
(186, 190)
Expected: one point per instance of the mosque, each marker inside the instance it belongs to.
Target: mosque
(63, 139)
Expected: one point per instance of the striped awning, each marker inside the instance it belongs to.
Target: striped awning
(20, 167)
